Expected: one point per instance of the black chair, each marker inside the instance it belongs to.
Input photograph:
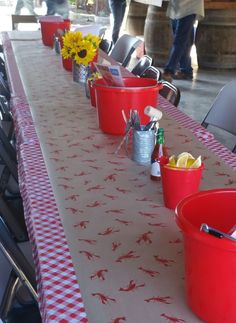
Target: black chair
(124, 48)
(5, 110)
(3, 71)
(105, 45)
(11, 206)
(222, 113)
(14, 308)
(142, 65)
(170, 92)
(152, 73)
(4, 88)
(102, 32)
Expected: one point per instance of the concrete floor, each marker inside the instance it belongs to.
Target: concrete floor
(196, 96)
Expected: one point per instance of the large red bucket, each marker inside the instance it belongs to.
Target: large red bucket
(210, 262)
(110, 101)
(49, 29)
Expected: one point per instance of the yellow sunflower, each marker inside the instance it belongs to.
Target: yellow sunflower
(79, 48)
(95, 40)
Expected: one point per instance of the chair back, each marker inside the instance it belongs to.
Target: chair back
(11, 208)
(222, 113)
(22, 273)
(124, 48)
(105, 45)
(5, 111)
(3, 69)
(170, 92)
(17, 19)
(102, 32)
(4, 88)
(20, 264)
(152, 73)
(144, 62)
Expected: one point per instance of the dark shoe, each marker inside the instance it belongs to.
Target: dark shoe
(182, 76)
(167, 76)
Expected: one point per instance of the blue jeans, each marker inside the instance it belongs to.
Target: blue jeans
(117, 8)
(182, 42)
(59, 7)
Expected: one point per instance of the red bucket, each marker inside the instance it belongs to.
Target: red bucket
(67, 63)
(110, 101)
(50, 27)
(177, 183)
(210, 262)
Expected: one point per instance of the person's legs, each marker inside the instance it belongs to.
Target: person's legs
(182, 31)
(50, 8)
(62, 9)
(28, 4)
(19, 6)
(117, 8)
(185, 60)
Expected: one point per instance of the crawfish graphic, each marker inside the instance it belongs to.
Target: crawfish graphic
(89, 241)
(118, 319)
(150, 272)
(89, 255)
(115, 245)
(145, 238)
(127, 256)
(108, 231)
(82, 224)
(159, 299)
(103, 298)
(172, 319)
(163, 261)
(131, 287)
(99, 274)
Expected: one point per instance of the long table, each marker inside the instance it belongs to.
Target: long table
(105, 248)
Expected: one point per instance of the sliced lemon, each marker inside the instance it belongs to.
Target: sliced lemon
(197, 163)
(182, 161)
(190, 162)
(172, 161)
(186, 154)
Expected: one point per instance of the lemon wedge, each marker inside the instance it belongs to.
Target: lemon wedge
(190, 162)
(172, 161)
(187, 155)
(197, 163)
(182, 161)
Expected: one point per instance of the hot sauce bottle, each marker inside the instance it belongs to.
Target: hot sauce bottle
(158, 151)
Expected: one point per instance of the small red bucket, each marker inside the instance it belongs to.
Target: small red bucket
(177, 183)
(110, 101)
(67, 63)
(210, 262)
(50, 27)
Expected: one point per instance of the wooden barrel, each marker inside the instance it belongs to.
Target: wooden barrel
(215, 39)
(136, 18)
(157, 34)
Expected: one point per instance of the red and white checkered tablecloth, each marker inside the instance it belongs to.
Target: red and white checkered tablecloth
(58, 289)
(92, 216)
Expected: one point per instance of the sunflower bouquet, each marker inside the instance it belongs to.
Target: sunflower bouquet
(82, 49)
